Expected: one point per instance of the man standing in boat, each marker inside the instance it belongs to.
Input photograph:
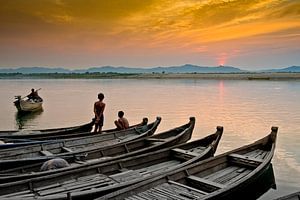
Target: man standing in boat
(34, 95)
(99, 107)
(122, 123)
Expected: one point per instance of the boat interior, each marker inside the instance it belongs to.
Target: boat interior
(114, 174)
(208, 180)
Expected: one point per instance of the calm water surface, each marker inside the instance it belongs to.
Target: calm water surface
(246, 109)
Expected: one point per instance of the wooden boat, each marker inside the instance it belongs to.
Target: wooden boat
(92, 181)
(293, 196)
(55, 148)
(232, 175)
(56, 133)
(6, 143)
(59, 133)
(12, 170)
(28, 105)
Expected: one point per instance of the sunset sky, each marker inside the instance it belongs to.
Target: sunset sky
(250, 34)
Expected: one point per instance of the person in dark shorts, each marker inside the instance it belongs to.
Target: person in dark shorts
(122, 123)
(99, 107)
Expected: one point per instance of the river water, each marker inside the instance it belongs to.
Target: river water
(246, 109)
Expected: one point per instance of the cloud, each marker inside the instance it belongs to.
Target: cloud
(170, 27)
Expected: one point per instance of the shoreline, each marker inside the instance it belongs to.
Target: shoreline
(213, 76)
(227, 76)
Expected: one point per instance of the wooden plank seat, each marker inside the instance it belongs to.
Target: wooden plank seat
(258, 153)
(198, 149)
(245, 161)
(166, 193)
(80, 162)
(157, 167)
(98, 159)
(46, 153)
(190, 189)
(170, 190)
(77, 187)
(204, 184)
(182, 151)
(125, 175)
(66, 149)
(239, 174)
(155, 140)
(82, 183)
(216, 176)
(19, 194)
(122, 138)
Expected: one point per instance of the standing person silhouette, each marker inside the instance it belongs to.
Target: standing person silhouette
(99, 107)
(34, 95)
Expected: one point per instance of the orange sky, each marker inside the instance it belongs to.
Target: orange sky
(250, 34)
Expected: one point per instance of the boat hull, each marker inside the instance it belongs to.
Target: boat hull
(6, 143)
(226, 176)
(73, 147)
(253, 188)
(60, 133)
(28, 105)
(114, 174)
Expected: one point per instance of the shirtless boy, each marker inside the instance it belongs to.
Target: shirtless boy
(99, 107)
(122, 122)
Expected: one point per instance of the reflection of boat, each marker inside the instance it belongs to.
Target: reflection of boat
(232, 175)
(28, 105)
(23, 119)
(293, 196)
(113, 175)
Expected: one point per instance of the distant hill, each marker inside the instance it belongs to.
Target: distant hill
(188, 68)
(109, 69)
(288, 69)
(174, 69)
(196, 69)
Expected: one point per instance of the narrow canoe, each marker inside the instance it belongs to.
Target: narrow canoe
(232, 175)
(293, 196)
(13, 170)
(59, 133)
(46, 133)
(90, 182)
(6, 143)
(55, 148)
